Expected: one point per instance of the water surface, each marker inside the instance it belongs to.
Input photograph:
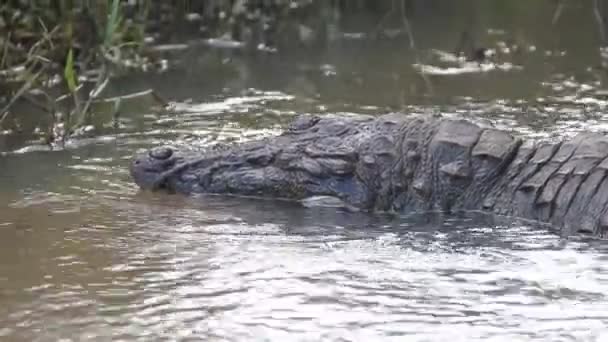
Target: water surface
(86, 256)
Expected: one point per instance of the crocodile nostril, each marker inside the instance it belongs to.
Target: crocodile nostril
(161, 153)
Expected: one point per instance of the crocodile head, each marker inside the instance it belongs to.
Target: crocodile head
(308, 160)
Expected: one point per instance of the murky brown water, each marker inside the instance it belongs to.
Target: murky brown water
(85, 256)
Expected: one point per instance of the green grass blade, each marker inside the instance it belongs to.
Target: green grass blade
(112, 23)
(69, 73)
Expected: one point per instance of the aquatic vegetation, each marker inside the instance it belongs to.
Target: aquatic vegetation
(61, 56)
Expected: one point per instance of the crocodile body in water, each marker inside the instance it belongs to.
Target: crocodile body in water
(402, 163)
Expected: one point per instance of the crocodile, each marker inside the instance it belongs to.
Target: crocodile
(401, 163)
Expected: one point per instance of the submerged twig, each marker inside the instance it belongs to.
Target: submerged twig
(46, 37)
(412, 42)
(558, 12)
(406, 24)
(384, 18)
(131, 96)
(600, 20)
(24, 88)
(102, 81)
(5, 50)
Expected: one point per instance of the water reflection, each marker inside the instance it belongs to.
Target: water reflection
(155, 267)
(545, 76)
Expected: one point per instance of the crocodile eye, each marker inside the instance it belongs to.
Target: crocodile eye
(161, 153)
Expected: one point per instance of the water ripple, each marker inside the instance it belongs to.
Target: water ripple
(152, 267)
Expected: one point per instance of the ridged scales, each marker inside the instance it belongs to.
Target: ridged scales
(403, 163)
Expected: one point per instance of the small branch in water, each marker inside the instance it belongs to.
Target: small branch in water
(384, 18)
(77, 107)
(558, 12)
(46, 37)
(24, 88)
(102, 81)
(412, 42)
(129, 96)
(406, 24)
(600, 20)
(160, 99)
(5, 50)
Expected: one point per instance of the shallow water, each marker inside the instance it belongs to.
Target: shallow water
(86, 256)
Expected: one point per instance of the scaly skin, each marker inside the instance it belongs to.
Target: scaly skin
(402, 163)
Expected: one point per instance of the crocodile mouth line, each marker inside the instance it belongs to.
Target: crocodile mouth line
(162, 181)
